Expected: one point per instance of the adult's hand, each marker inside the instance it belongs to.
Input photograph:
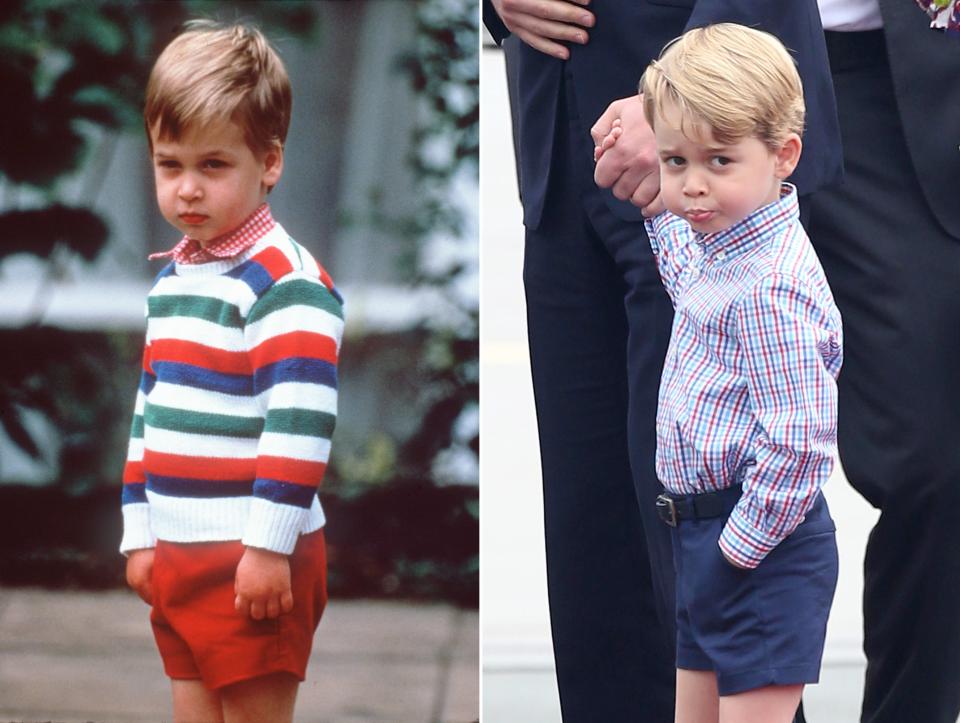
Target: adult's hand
(629, 167)
(542, 23)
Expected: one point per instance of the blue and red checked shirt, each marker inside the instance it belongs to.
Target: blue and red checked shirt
(748, 392)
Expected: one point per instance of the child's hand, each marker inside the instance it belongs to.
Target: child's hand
(263, 584)
(607, 141)
(140, 572)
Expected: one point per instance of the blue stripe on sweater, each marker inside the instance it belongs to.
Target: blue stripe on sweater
(254, 275)
(167, 270)
(134, 492)
(295, 369)
(147, 382)
(204, 488)
(200, 378)
(284, 493)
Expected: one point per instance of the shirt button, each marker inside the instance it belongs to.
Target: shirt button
(721, 256)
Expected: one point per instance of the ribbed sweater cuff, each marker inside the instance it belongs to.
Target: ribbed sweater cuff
(273, 526)
(137, 534)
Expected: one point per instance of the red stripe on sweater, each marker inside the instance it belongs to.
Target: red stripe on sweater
(302, 344)
(200, 355)
(207, 468)
(296, 471)
(325, 277)
(133, 473)
(274, 261)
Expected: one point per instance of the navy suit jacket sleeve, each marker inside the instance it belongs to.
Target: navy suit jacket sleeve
(493, 22)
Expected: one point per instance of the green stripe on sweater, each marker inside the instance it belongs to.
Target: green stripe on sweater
(197, 307)
(298, 292)
(300, 421)
(224, 425)
(136, 429)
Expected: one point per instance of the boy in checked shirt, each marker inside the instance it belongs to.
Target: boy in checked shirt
(746, 425)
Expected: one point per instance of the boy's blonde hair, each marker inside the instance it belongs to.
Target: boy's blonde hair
(741, 82)
(210, 73)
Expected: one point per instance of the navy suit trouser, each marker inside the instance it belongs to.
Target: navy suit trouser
(599, 322)
(895, 273)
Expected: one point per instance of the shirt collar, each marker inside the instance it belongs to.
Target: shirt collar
(754, 229)
(233, 243)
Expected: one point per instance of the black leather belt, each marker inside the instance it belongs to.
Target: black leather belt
(674, 508)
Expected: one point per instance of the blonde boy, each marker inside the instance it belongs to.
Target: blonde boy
(746, 424)
(237, 399)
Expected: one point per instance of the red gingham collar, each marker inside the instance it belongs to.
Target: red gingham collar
(232, 243)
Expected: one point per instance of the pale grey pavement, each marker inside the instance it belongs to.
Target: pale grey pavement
(82, 656)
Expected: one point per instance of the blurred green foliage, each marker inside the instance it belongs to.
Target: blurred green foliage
(68, 67)
(443, 68)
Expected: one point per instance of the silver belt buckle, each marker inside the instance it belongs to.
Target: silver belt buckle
(667, 510)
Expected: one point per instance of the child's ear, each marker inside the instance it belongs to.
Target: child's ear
(788, 156)
(272, 166)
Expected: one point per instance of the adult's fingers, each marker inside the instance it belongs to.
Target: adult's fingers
(628, 182)
(648, 192)
(542, 44)
(654, 208)
(564, 11)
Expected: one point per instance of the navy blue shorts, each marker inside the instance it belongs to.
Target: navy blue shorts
(758, 627)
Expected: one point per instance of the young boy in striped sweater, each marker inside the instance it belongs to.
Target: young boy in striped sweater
(237, 398)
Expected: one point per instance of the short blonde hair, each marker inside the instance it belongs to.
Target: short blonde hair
(211, 73)
(741, 82)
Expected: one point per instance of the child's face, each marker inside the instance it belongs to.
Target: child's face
(714, 185)
(209, 180)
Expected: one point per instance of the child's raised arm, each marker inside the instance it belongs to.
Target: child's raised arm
(672, 242)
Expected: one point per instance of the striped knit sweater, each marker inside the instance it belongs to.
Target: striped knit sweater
(237, 401)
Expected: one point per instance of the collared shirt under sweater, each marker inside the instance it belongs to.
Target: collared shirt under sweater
(748, 392)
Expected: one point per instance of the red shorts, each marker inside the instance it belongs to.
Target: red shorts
(200, 634)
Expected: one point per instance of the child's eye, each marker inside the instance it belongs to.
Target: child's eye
(214, 163)
(673, 161)
(168, 164)
(720, 160)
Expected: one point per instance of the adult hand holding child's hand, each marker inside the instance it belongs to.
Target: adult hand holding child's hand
(628, 165)
(627, 161)
(263, 584)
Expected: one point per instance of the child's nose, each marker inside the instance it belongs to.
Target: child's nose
(189, 189)
(694, 184)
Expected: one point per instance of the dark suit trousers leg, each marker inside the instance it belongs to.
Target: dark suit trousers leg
(895, 274)
(613, 648)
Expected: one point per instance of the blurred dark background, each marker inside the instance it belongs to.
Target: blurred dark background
(380, 183)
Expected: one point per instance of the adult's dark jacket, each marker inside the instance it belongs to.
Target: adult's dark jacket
(626, 36)
(925, 66)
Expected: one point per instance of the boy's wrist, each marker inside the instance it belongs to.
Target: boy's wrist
(264, 553)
